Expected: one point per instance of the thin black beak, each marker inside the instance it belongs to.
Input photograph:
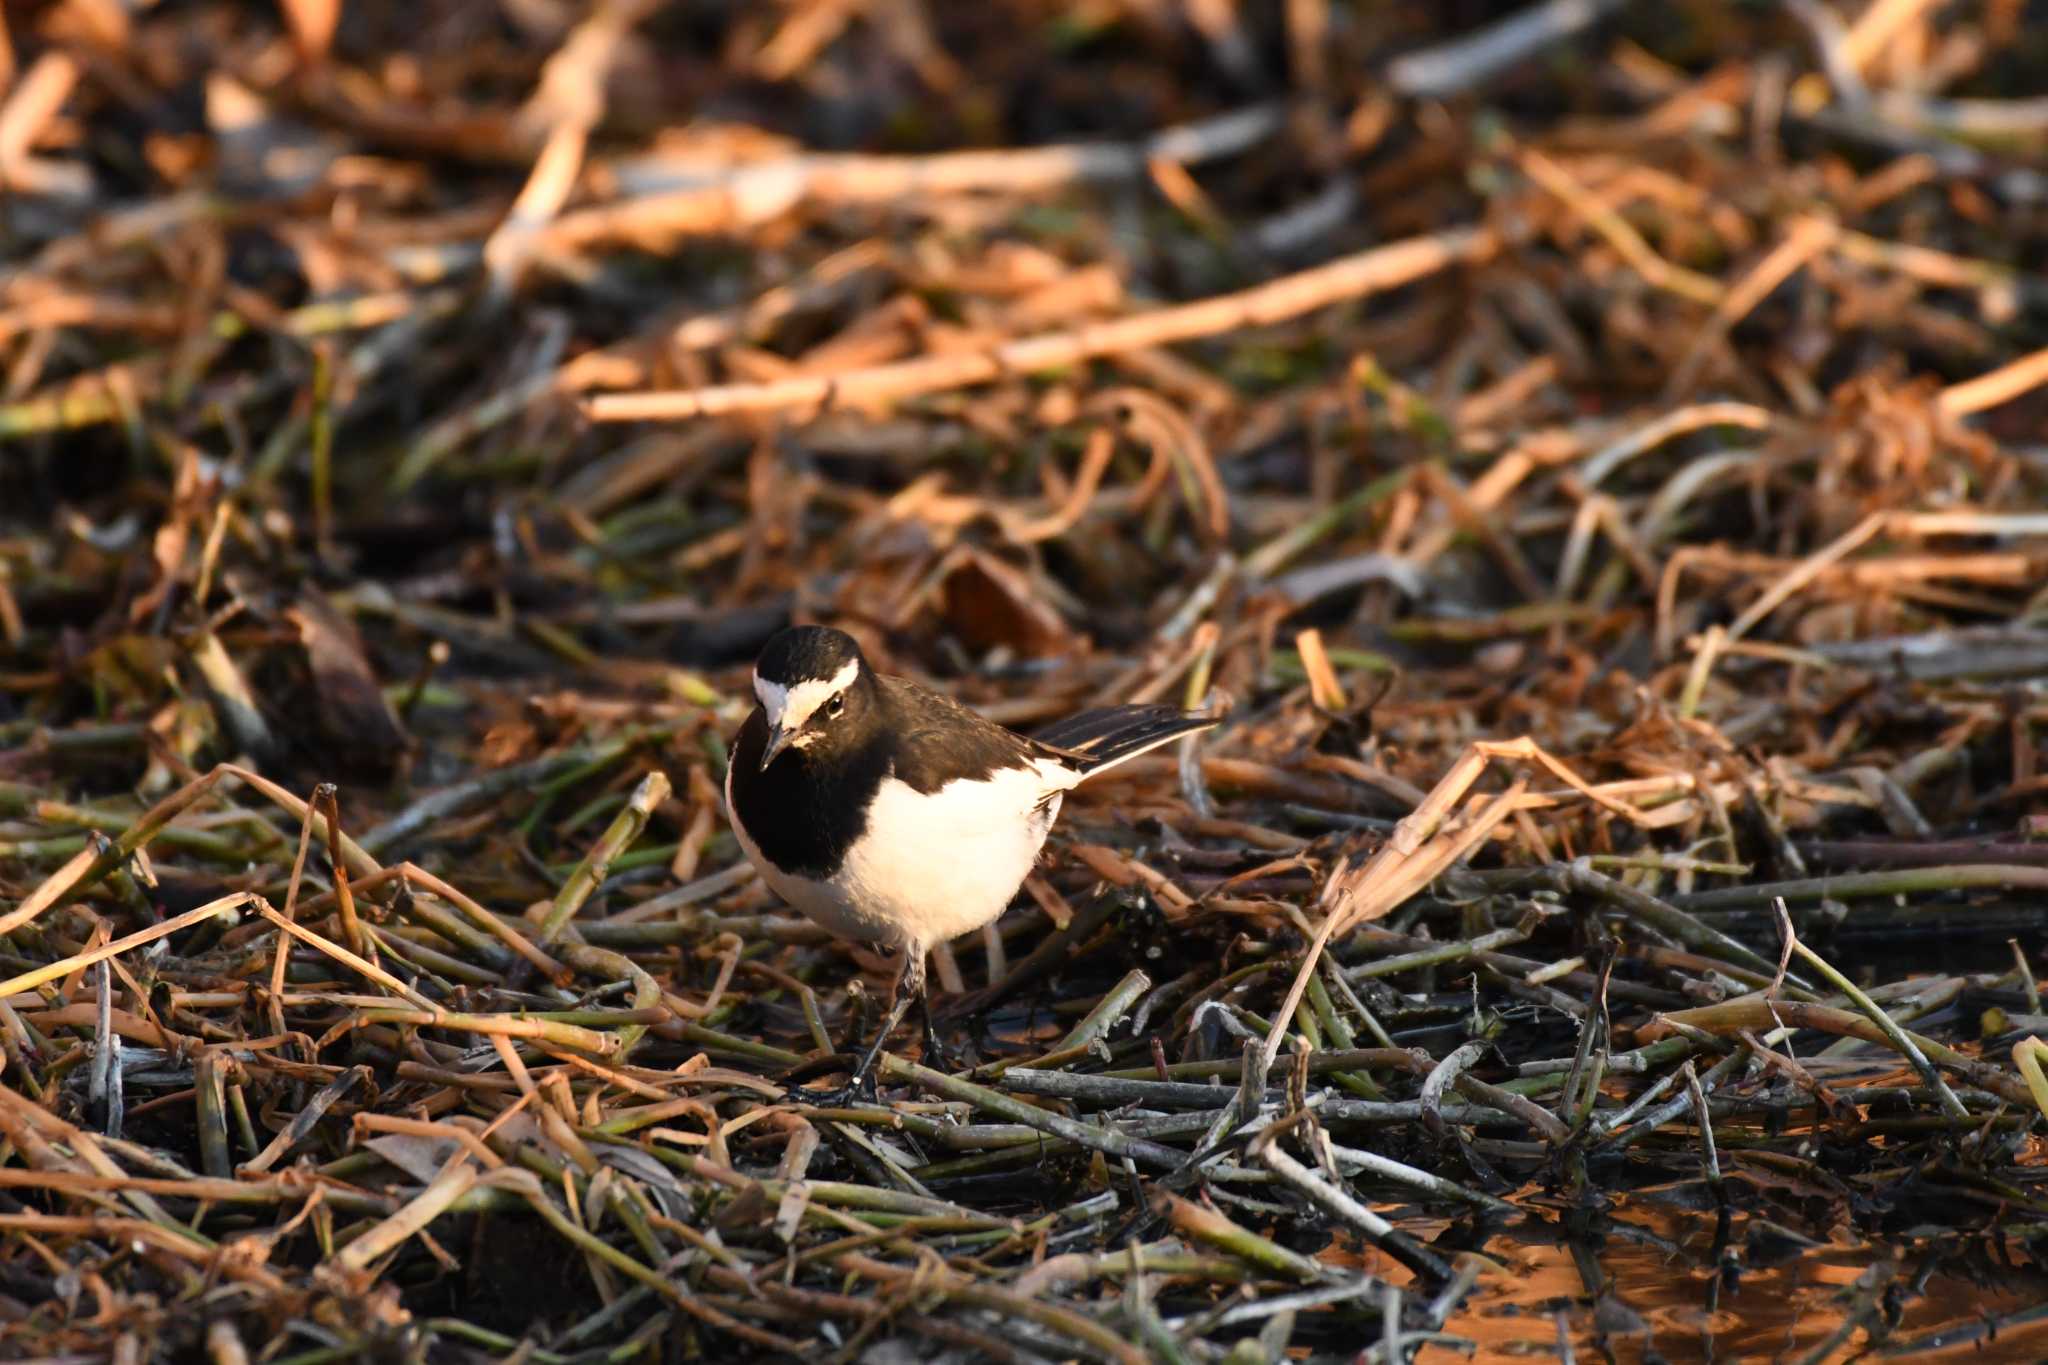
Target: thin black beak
(778, 740)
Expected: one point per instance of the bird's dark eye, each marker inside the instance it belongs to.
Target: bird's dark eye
(835, 705)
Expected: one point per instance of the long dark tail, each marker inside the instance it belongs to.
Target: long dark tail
(1106, 736)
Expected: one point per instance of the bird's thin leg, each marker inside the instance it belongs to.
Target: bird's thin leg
(909, 987)
(935, 1054)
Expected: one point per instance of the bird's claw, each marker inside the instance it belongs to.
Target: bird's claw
(818, 1099)
(862, 1090)
(861, 1087)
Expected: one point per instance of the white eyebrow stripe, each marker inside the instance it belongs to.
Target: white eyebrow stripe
(791, 707)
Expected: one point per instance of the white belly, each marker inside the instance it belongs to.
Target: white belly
(928, 868)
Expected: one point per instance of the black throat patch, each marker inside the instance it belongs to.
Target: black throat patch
(804, 814)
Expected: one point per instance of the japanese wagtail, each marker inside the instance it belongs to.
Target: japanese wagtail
(891, 814)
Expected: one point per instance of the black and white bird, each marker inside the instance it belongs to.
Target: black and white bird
(890, 814)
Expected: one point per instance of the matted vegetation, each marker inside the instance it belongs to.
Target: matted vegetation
(1595, 451)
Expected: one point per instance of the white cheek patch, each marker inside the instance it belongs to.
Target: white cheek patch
(774, 698)
(792, 707)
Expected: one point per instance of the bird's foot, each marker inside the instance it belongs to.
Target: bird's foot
(937, 1055)
(841, 1098)
(860, 1085)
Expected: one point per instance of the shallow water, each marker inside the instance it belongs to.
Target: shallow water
(1663, 1297)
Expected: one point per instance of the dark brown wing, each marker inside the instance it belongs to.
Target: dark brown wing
(934, 740)
(937, 738)
(1110, 734)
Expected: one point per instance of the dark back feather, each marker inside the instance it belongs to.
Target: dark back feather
(1110, 734)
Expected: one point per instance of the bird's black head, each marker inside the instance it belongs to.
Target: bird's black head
(804, 654)
(814, 688)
